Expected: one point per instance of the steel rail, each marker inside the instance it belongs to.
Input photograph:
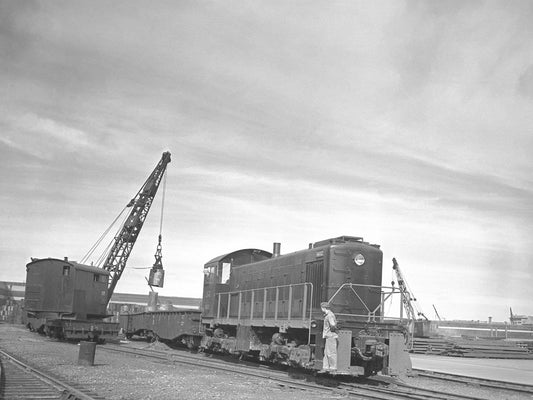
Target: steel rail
(483, 382)
(22, 381)
(402, 391)
(220, 365)
(361, 390)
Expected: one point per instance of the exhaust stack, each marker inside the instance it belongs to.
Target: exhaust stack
(276, 250)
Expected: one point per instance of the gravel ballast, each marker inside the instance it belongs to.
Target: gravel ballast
(127, 377)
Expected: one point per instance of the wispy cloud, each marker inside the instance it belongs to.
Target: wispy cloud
(32, 133)
(406, 122)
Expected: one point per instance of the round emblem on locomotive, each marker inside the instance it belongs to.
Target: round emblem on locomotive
(359, 259)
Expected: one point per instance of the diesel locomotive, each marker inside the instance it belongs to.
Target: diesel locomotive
(267, 306)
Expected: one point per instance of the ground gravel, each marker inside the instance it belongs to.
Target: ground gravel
(127, 377)
(124, 377)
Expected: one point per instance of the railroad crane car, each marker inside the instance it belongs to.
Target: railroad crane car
(67, 299)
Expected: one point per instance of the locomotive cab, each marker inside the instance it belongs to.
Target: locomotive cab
(217, 275)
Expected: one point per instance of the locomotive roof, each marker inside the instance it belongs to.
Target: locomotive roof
(239, 252)
(84, 267)
(339, 240)
(90, 268)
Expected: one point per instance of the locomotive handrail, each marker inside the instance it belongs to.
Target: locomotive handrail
(306, 298)
(371, 315)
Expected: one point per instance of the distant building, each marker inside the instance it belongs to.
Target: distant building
(12, 290)
(11, 296)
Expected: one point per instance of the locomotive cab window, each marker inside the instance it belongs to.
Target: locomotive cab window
(66, 270)
(224, 278)
(97, 278)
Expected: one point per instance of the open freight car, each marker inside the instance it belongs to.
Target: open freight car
(176, 327)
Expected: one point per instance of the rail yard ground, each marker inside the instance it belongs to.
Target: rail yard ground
(509, 370)
(120, 377)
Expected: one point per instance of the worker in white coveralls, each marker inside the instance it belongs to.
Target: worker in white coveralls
(329, 333)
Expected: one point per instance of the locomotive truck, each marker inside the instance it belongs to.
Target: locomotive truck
(267, 306)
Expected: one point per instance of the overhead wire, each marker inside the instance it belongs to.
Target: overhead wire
(107, 249)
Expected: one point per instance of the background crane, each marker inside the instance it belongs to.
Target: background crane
(413, 312)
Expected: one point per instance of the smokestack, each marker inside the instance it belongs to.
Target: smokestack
(276, 251)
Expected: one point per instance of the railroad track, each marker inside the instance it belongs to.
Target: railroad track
(487, 383)
(20, 381)
(407, 392)
(201, 360)
(361, 389)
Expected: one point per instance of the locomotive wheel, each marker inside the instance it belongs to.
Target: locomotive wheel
(152, 337)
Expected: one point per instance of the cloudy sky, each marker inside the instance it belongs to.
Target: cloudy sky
(406, 122)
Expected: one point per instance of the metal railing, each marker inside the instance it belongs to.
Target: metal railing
(372, 312)
(292, 305)
(377, 313)
(285, 303)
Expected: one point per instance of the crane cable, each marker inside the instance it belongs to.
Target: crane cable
(158, 250)
(95, 245)
(104, 253)
(162, 204)
(158, 255)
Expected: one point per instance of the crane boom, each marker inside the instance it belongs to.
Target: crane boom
(125, 239)
(405, 295)
(436, 312)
